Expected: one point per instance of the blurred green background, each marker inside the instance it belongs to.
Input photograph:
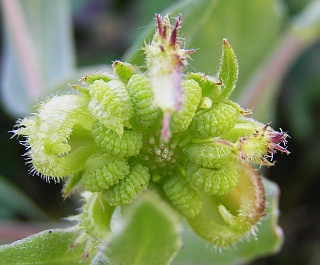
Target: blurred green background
(278, 48)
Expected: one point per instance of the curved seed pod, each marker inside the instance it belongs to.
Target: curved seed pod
(183, 196)
(49, 134)
(209, 155)
(110, 104)
(95, 216)
(213, 181)
(140, 91)
(181, 119)
(225, 222)
(103, 171)
(220, 119)
(128, 144)
(128, 188)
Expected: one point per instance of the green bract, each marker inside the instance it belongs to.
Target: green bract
(117, 136)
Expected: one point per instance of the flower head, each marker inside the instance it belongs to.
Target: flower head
(118, 135)
(165, 60)
(261, 145)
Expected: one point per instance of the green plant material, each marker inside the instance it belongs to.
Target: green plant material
(36, 58)
(68, 120)
(95, 217)
(140, 92)
(119, 135)
(225, 219)
(190, 100)
(228, 72)
(128, 188)
(150, 235)
(183, 196)
(219, 88)
(50, 247)
(128, 144)
(267, 240)
(89, 79)
(124, 70)
(216, 121)
(209, 155)
(214, 181)
(105, 98)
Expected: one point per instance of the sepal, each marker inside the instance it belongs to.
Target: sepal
(210, 85)
(89, 79)
(124, 70)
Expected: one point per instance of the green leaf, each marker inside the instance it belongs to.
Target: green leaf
(268, 240)
(252, 30)
(38, 51)
(228, 72)
(50, 247)
(150, 236)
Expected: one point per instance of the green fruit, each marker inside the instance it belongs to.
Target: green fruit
(209, 155)
(213, 181)
(184, 197)
(127, 144)
(103, 171)
(140, 91)
(216, 121)
(128, 188)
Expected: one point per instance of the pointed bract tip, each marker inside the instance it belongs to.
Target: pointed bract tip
(225, 42)
(174, 33)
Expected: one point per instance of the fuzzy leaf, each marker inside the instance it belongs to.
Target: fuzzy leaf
(228, 72)
(50, 247)
(151, 236)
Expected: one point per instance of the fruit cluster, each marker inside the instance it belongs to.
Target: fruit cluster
(176, 134)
